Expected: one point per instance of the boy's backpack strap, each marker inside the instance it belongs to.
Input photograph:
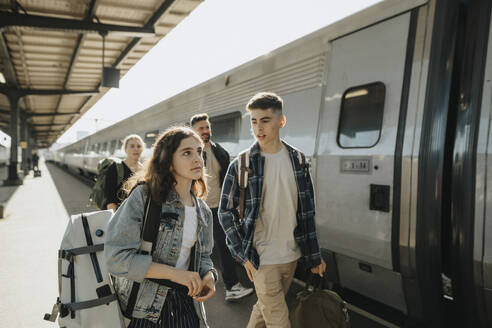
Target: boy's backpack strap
(302, 160)
(243, 169)
(243, 172)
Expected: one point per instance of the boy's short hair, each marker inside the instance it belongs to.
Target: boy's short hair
(198, 117)
(265, 100)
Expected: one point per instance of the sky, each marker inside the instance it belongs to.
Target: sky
(217, 36)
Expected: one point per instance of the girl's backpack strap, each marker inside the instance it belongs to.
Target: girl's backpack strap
(151, 220)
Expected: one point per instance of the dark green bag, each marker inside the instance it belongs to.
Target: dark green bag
(98, 196)
(317, 307)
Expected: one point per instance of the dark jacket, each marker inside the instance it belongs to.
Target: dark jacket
(35, 160)
(112, 188)
(222, 157)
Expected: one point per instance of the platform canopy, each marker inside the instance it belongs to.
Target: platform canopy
(51, 54)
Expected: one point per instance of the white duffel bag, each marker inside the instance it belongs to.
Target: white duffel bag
(86, 298)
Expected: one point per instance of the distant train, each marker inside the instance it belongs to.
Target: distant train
(4, 155)
(392, 107)
(4, 150)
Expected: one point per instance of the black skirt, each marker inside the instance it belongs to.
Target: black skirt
(178, 311)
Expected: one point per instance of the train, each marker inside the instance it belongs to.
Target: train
(4, 154)
(391, 105)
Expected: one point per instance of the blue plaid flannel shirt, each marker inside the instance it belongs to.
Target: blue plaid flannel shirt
(239, 235)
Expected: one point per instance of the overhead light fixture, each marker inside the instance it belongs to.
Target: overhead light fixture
(2, 78)
(110, 75)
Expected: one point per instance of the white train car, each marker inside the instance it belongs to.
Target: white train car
(4, 149)
(392, 107)
(4, 155)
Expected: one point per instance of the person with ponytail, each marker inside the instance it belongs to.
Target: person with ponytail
(174, 178)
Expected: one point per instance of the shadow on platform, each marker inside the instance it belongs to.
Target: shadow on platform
(6, 192)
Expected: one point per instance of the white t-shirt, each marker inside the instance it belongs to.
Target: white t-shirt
(189, 237)
(274, 234)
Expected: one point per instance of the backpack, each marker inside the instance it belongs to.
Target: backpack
(98, 195)
(86, 297)
(244, 171)
(318, 307)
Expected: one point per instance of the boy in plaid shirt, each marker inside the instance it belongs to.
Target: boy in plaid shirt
(278, 227)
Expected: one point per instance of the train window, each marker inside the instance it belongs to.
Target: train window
(226, 128)
(150, 138)
(112, 146)
(361, 116)
(86, 146)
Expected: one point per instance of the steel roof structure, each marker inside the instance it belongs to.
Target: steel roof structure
(51, 55)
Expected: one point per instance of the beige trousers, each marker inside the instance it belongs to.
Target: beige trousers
(272, 283)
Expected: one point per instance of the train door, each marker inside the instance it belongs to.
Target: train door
(359, 140)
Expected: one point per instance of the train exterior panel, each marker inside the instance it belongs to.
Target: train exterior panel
(359, 102)
(362, 156)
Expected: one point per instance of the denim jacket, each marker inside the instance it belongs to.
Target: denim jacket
(123, 240)
(240, 235)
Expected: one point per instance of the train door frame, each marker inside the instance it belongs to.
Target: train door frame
(431, 166)
(469, 175)
(447, 151)
(407, 159)
(398, 119)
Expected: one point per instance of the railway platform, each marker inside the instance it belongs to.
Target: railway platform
(31, 230)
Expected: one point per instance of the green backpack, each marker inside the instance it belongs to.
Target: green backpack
(98, 196)
(319, 308)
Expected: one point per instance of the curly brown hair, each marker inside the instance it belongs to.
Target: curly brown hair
(156, 173)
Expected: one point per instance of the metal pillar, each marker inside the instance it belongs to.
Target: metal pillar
(24, 141)
(30, 142)
(13, 178)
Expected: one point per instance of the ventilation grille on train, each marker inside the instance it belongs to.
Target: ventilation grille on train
(299, 76)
